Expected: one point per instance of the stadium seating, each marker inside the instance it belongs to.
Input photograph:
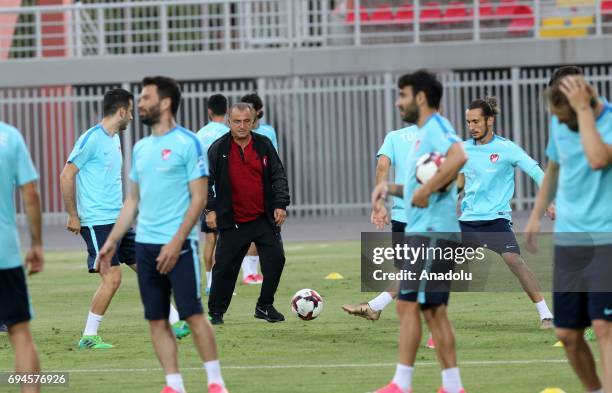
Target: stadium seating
(456, 13)
(382, 14)
(560, 27)
(522, 21)
(506, 8)
(431, 13)
(405, 14)
(364, 16)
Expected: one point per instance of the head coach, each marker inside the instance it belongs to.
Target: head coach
(248, 198)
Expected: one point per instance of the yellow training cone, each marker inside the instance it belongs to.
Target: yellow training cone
(552, 390)
(558, 344)
(334, 276)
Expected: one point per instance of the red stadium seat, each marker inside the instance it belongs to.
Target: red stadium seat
(606, 8)
(506, 9)
(431, 13)
(405, 14)
(382, 14)
(485, 10)
(363, 15)
(456, 12)
(522, 21)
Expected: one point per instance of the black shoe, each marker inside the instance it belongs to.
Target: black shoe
(268, 313)
(215, 319)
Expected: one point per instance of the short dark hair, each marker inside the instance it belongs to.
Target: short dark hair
(217, 103)
(488, 106)
(166, 88)
(562, 72)
(254, 100)
(115, 99)
(426, 82)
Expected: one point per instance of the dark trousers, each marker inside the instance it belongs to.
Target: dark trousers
(232, 246)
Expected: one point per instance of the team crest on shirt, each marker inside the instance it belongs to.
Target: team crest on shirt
(166, 154)
(494, 157)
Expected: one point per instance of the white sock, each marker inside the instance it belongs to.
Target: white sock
(174, 316)
(208, 279)
(451, 380)
(543, 310)
(91, 327)
(380, 301)
(175, 381)
(213, 372)
(254, 264)
(403, 377)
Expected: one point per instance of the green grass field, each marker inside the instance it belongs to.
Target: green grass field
(500, 346)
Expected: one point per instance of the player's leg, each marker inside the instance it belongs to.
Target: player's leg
(155, 291)
(372, 309)
(94, 237)
(209, 257)
(186, 283)
(15, 313)
(603, 331)
(442, 332)
(270, 245)
(250, 276)
(530, 284)
(571, 318)
(409, 315)
(26, 356)
(232, 246)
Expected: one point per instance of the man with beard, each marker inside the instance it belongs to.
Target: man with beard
(431, 222)
(488, 179)
(91, 185)
(168, 192)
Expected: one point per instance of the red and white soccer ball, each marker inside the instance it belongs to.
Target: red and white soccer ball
(427, 166)
(307, 304)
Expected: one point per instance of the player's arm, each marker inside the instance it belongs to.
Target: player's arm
(170, 253)
(68, 189)
(31, 200)
(447, 172)
(382, 190)
(579, 94)
(124, 222)
(380, 216)
(546, 194)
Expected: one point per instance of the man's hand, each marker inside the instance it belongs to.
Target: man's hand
(106, 256)
(577, 91)
(531, 231)
(211, 220)
(34, 260)
(168, 256)
(74, 224)
(551, 211)
(420, 198)
(279, 216)
(380, 215)
(379, 193)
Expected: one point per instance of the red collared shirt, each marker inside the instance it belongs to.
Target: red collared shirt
(246, 177)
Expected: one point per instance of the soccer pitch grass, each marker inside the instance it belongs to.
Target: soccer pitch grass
(500, 346)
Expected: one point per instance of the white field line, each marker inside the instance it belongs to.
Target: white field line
(326, 366)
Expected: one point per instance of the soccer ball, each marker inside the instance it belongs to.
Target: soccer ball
(427, 166)
(307, 304)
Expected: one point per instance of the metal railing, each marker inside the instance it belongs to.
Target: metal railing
(175, 26)
(329, 127)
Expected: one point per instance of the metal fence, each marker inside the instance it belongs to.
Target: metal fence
(329, 128)
(175, 26)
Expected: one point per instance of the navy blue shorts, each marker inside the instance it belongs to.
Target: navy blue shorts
(95, 237)
(428, 293)
(14, 299)
(398, 226)
(582, 285)
(495, 235)
(184, 281)
(397, 236)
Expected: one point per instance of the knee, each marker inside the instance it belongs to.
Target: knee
(603, 330)
(513, 261)
(569, 337)
(114, 280)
